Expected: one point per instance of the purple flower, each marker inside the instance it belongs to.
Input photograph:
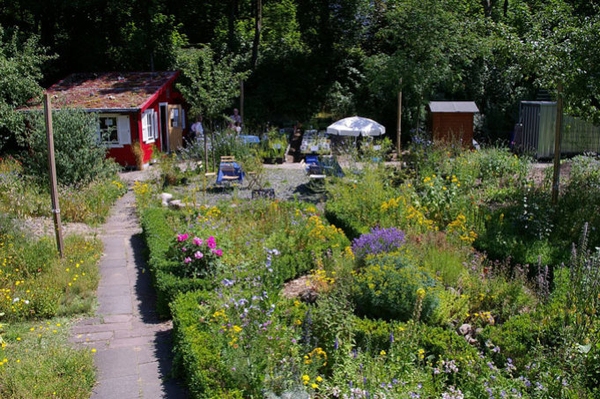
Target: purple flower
(227, 283)
(218, 252)
(198, 255)
(378, 241)
(182, 237)
(187, 260)
(197, 241)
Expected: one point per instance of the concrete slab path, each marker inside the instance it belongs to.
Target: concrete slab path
(133, 345)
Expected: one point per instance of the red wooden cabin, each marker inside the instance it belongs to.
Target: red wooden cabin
(132, 107)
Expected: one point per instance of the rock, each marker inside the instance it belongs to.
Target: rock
(176, 204)
(464, 329)
(165, 198)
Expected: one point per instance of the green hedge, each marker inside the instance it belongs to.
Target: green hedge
(158, 234)
(197, 353)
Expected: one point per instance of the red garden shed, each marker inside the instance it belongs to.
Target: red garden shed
(452, 121)
(141, 107)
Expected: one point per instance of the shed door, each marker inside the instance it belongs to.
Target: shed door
(175, 126)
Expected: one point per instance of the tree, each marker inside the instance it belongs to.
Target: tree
(21, 61)
(434, 46)
(208, 83)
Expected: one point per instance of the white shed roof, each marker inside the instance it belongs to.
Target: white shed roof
(453, 106)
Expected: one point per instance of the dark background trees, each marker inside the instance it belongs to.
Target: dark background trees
(330, 58)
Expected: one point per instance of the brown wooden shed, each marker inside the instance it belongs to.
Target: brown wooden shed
(452, 121)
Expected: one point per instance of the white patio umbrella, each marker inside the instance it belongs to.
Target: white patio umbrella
(356, 126)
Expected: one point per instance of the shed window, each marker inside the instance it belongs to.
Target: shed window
(113, 130)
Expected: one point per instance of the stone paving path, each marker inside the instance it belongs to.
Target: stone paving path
(133, 357)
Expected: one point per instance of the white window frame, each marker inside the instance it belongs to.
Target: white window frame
(123, 130)
(149, 126)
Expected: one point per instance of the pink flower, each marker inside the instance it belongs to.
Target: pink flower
(187, 260)
(182, 237)
(183, 249)
(197, 241)
(211, 242)
(218, 252)
(198, 255)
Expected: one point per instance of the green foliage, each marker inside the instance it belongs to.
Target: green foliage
(157, 222)
(21, 61)
(36, 284)
(198, 357)
(39, 362)
(24, 196)
(196, 257)
(391, 288)
(208, 82)
(79, 156)
(581, 187)
(358, 217)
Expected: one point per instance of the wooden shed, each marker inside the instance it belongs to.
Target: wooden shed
(452, 121)
(141, 107)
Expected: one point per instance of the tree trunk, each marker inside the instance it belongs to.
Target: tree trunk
(257, 30)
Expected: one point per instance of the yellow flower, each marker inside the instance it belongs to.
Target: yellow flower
(314, 386)
(319, 379)
(305, 379)
(382, 353)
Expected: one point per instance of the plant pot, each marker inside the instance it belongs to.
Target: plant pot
(265, 193)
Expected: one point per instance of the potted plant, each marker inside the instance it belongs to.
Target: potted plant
(255, 175)
(274, 147)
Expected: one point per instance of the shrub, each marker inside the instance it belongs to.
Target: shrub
(197, 352)
(196, 257)
(582, 187)
(391, 288)
(354, 216)
(79, 155)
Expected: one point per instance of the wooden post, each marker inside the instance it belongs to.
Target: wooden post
(399, 133)
(242, 101)
(52, 171)
(557, 145)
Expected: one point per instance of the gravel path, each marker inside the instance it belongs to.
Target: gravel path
(289, 181)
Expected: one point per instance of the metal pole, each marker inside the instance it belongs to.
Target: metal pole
(52, 170)
(557, 142)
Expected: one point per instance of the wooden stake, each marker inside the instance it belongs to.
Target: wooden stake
(399, 134)
(557, 145)
(52, 171)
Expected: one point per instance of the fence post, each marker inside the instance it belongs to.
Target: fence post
(52, 172)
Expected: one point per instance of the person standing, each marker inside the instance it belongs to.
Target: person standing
(198, 129)
(236, 119)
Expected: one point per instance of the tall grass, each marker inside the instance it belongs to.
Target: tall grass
(40, 292)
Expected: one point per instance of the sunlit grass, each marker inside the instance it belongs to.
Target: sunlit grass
(37, 361)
